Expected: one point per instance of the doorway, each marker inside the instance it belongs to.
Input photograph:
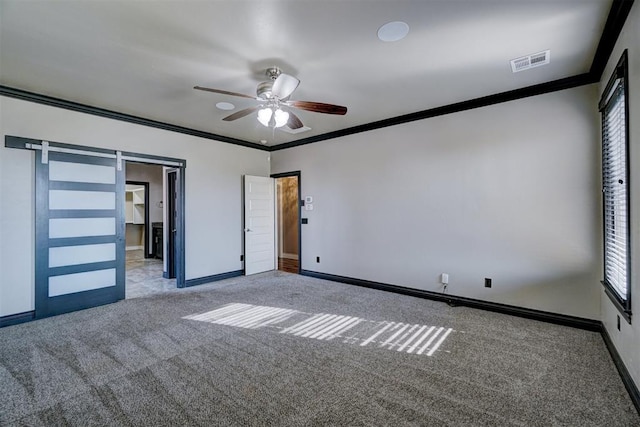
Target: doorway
(150, 209)
(288, 228)
(80, 223)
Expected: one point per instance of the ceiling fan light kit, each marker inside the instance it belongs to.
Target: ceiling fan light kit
(280, 117)
(273, 95)
(273, 118)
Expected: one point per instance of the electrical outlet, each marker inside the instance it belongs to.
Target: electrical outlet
(487, 282)
(318, 259)
(444, 278)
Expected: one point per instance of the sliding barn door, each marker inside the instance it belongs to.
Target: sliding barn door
(79, 232)
(259, 224)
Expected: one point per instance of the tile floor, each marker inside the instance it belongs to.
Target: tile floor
(144, 276)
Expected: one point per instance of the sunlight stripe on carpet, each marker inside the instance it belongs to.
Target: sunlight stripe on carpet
(402, 337)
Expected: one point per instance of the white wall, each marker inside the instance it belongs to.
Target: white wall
(213, 189)
(17, 229)
(627, 340)
(509, 192)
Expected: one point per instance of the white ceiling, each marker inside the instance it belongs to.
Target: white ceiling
(144, 57)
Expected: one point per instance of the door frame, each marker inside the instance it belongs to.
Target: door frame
(121, 157)
(147, 226)
(179, 166)
(169, 239)
(300, 204)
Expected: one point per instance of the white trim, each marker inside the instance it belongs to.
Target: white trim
(133, 248)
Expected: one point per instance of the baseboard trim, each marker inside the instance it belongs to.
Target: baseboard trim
(213, 278)
(289, 256)
(544, 316)
(15, 319)
(627, 380)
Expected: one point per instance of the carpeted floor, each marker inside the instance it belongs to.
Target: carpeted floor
(245, 351)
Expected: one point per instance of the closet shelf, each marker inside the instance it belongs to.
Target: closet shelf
(134, 206)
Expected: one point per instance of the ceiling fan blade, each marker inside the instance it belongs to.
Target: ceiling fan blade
(240, 114)
(294, 121)
(224, 92)
(284, 86)
(319, 107)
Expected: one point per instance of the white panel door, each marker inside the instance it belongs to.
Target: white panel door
(259, 224)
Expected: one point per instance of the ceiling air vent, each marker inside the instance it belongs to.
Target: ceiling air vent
(295, 131)
(530, 61)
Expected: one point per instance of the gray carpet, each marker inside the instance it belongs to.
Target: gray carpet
(153, 361)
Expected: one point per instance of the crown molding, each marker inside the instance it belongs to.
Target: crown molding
(615, 22)
(110, 114)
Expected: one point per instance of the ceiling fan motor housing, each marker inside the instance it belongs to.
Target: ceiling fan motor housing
(264, 89)
(273, 73)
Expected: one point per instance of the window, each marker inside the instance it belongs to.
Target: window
(615, 188)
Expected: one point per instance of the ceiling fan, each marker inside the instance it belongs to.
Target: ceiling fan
(273, 95)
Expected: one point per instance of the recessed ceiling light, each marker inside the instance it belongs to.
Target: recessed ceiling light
(393, 31)
(225, 106)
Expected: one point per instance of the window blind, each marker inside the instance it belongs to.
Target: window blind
(615, 191)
